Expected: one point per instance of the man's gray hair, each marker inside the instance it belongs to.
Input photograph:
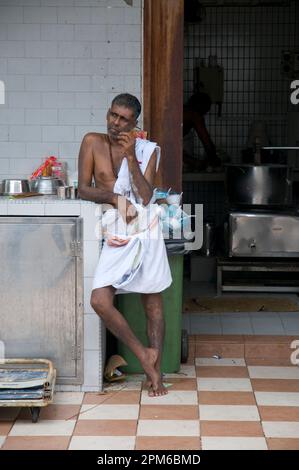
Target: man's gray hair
(128, 101)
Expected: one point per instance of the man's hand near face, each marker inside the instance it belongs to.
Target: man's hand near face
(127, 142)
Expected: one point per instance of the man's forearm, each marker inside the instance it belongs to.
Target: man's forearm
(141, 188)
(99, 196)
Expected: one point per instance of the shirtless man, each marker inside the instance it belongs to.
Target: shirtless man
(101, 156)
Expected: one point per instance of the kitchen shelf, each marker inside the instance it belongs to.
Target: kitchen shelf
(252, 275)
(216, 177)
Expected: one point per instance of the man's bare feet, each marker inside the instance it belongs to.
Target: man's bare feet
(148, 364)
(156, 388)
(159, 391)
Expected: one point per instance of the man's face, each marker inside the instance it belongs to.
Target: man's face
(119, 119)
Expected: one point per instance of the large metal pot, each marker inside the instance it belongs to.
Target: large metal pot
(46, 185)
(258, 185)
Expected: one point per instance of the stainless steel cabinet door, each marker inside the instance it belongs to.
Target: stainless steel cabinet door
(41, 291)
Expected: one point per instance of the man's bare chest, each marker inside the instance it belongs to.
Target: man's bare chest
(107, 166)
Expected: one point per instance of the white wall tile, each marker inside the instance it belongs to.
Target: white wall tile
(24, 31)
(69, 149)
(61, 133)
(71, 116)
(91, 331)
(57, 100)
(91, 215)
(91, 257)
(62, 209)
(41, 116)
(13, 82)
(4, 165)
(57, 66)
(23, 66)
(75, 15)
(40, 150)
(10, 14)
(4, 133)
(40, 14)
(26, 99)
(41, 83)
(12, 116)
(3, 205)
(12, 149)
(25, 133)
(12, 49)
(25, 209)
(62, 61)
(41, 49)
(91, 368)
(90, 33)
(87, 293)
(57, 32)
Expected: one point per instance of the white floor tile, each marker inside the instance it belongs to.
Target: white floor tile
(181, 427)
(236, 325)
(102, 443)
(277, 398)
(186, 371)
(268, 324)
(228, 413)
(103, 411)
(2, 439)
(271, 372)
(125, 386)
(44, 427)
(68, 398)
(224, 385)
(225, 361)
(233, 443)
(205, 324)
(283, 429)
(173, 397)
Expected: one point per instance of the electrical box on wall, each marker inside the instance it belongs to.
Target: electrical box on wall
(290, 63)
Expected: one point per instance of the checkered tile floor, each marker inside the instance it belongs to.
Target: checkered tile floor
(212, 404)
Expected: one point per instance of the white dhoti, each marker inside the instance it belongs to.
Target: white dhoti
(141, 265)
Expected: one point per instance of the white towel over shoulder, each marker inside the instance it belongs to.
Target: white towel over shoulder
(140, 264)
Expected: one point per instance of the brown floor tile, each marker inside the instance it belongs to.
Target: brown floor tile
(226, 398)
(183, 384)
(274, 350)
(5, 427)
(36, 443)
(232, 428)
(268, 361)
(282, 444)
(274, 339)
(113, 427)
(222, 371)
(115, 397)
(275, 385)
(279, 413)
(219, 338)
(168, 412)
(53, 412)
(167, 443)
(223, 350)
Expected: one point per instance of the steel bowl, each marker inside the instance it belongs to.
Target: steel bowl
(15, 186)
(46, 185)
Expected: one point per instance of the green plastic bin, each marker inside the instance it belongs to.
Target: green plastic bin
(131, 307)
